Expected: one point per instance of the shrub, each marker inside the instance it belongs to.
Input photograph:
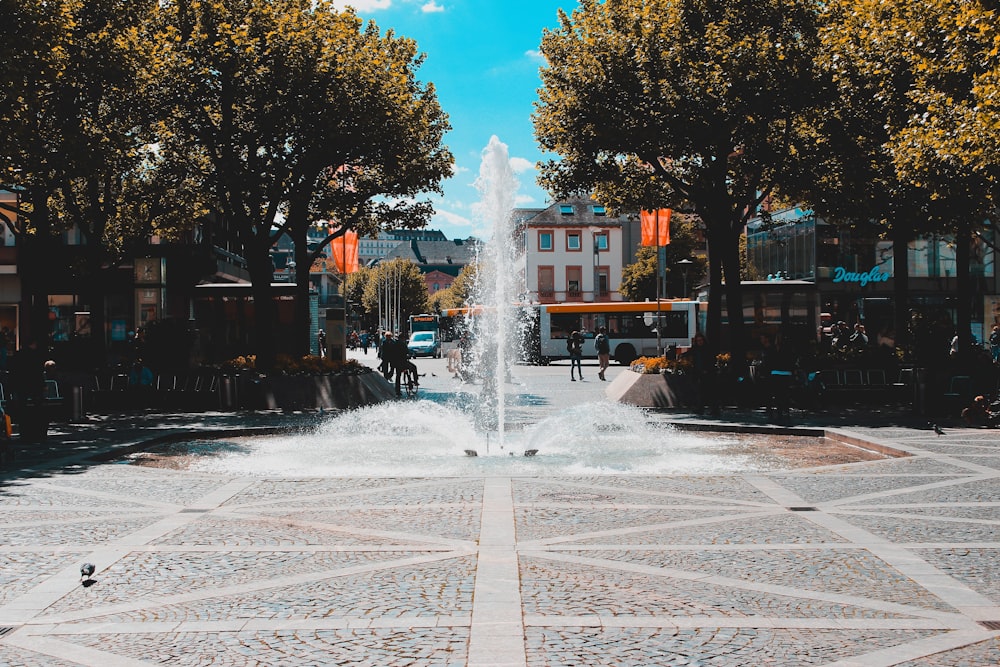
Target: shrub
(308, 365)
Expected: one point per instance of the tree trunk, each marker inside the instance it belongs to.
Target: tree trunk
(901, 283)
(963, 254)
(301, 322)
(263, 341)
(730, 260)
(33, 256)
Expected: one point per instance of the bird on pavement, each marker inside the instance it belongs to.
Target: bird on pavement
(86, 570)
(937, 429)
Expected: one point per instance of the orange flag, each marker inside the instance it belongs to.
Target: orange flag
(656, 227)
(345, 252)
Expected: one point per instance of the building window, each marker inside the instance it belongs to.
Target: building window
(574, 275)
(545, 241)
(566, 209)
(602, 281)
(601, 242)
(599, 210)
(437, 286)
(546, 282)
(572, 240)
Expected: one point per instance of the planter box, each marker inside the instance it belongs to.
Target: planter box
(656, 390)
(304, 392)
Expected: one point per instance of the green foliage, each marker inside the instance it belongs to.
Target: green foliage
(307, 365)
(690, 104)
(396, 278)
(639, 278)
(293, 111)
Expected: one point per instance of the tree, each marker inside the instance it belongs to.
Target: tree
(692, 104)
(395, 291)
(77, 124)
(354, 288)
(300, 115)
(639, 278)
(904, 146)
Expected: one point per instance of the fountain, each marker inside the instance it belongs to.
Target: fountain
(495, 338)
(426, 438)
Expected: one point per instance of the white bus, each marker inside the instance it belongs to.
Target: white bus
(632, 328)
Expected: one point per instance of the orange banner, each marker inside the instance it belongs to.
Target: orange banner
(656, 227)
(345, 252)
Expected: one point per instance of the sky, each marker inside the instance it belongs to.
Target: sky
(483, 58)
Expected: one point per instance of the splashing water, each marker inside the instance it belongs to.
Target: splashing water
(426, 439)
(494, 333)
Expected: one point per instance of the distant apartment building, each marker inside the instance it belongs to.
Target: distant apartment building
(374, 248)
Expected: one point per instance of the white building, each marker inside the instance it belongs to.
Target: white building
(573, 251)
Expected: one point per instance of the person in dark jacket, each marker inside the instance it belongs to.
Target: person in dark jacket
(574, 346)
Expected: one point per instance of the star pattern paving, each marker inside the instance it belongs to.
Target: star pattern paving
(888, 562)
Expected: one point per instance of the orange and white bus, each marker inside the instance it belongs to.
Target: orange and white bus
(632, 328)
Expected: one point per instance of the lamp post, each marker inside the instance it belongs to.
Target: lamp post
(597, 263)
(685, 264)
(596, 234)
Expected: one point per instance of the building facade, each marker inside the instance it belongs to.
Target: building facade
(854, 269)
(573, 251)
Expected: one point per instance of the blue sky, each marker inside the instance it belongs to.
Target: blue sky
(483, 58)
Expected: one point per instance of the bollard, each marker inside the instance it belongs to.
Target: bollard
(75, 403)
(227, 394)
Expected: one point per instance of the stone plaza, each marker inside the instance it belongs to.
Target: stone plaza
(894, 561)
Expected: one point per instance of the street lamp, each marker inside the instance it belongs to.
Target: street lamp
(596, 234)
(685, 264)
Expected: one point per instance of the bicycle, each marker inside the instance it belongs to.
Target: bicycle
(410, 383)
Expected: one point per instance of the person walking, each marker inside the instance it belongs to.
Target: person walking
(574, 345)
(995, 343)
(603, 347)
(321, 342)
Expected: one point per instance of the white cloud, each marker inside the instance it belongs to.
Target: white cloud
(452, 218)
(432, 7)
(519, 165)
(521, 200)
(535, 54)
(362, 5)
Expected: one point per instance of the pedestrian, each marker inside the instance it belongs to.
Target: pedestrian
(603, 347)
(859, 339)
(384, 353)
(995, 343)
(395, 352)
(364, 342)
(979, 415)
(321, 342)
(774, 375)
(574, 345)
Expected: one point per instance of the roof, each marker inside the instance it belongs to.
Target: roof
(436, 253)
(572, 212)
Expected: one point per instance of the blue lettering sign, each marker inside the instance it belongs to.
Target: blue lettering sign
(842, 275)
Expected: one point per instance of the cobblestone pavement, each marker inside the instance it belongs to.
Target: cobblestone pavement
(889, 562)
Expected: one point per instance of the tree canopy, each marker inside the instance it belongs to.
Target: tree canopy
(296, 112)
(693, 104)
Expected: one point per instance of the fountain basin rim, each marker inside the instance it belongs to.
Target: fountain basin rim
(840, 435)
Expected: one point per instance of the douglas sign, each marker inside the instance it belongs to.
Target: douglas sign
(842, 275)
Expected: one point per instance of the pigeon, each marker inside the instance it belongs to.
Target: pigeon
(86, 570)
(937, 429)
